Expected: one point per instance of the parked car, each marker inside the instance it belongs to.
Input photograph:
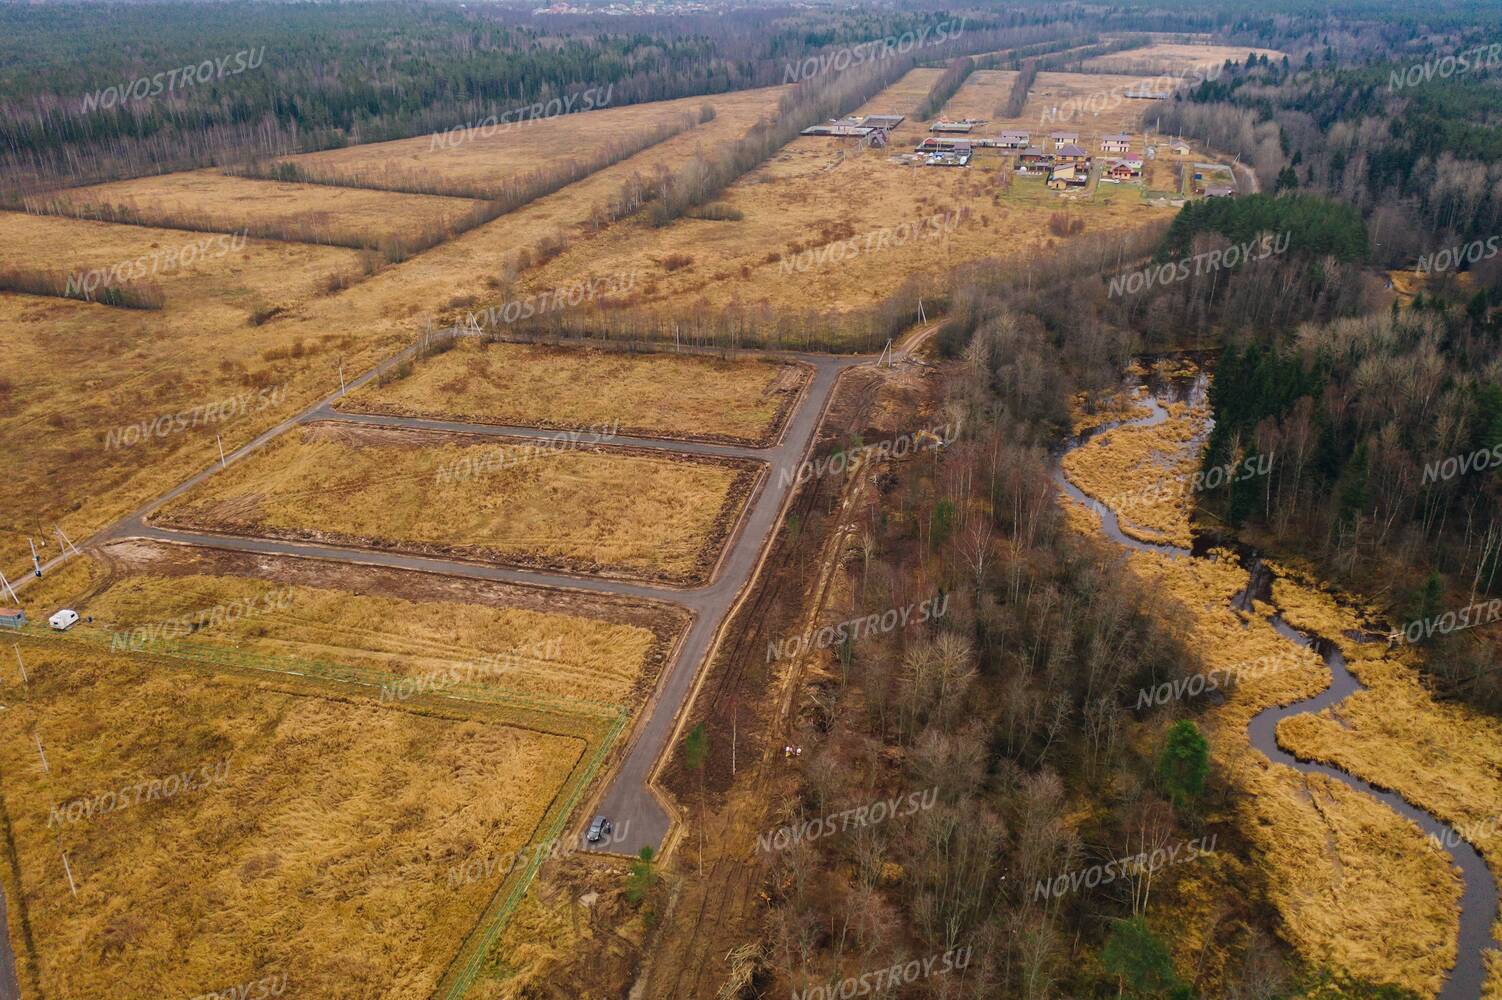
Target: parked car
(64, 619)
(599, 830)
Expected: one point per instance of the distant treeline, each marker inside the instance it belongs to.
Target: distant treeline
(1413, 143)
(93, 91)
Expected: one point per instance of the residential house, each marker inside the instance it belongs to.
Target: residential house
(1069, 153)
(1068, 175)
(1119, 143)
(1033, 160)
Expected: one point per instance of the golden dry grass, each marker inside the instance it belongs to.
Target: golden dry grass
(681, 396)
(611, 512)
(1443, 757)
(1144, 474)
(1173, 57)
(148, 600)
(486, 155)
(318, 211)
(1357, 887)
(75, 372)
(322, 854)
(903, 98)
(1089, 414)
(982, 94)
(895, 222)
(1087, 103)
(201, 349)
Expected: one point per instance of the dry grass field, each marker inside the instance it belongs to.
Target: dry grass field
(827, 229)
(78, 375)
(316, 840)
(403, 634)
(982, 95)
(1088, 103)
(480, 498)
(202, 349)
(489, 153)
(743, 401)
(314, 213)
(1144, 474)
(1173, 58)
(903, 98)
(1357, 887)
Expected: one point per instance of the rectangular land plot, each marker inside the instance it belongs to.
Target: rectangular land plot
(314, 837)
(402, 634)
(480, 498)
(1174, 57)
(267, 317)
(1092, 104)
(487, 152)
(646, 395)
(79, 380)
(824, 227)
(983, 94)
(307, 213)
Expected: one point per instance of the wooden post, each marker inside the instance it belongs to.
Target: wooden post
(220, 442)
(69, 869)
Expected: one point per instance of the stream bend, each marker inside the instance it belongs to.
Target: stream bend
(1478, 901)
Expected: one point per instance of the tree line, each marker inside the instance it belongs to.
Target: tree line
(384, 70)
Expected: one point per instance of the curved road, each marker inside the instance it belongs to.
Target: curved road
(1478, 903)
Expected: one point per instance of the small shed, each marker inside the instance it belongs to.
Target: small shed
(12, 617)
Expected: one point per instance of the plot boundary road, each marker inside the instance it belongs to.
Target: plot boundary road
(628, 797)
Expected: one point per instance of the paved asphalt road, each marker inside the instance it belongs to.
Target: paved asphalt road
(639, 818)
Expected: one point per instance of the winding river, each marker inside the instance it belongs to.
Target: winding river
(1478, 902)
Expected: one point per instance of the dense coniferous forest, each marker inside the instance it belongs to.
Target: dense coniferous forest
(318, 76)
(1414, 143)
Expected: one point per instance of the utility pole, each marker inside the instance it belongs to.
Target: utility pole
(67, 542)
(222, 463)
(36, 561)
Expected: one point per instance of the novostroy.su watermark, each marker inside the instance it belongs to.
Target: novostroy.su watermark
(171, 80)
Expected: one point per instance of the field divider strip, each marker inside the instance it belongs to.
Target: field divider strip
(466, 976)
(338, 673)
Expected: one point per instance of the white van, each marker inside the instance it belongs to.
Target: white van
(64, 619)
